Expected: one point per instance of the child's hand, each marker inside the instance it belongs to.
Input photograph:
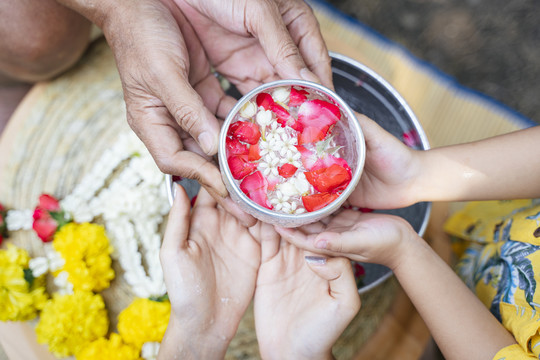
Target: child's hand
(210, 265)
(301, 308)
(373, 238)
(390, 170)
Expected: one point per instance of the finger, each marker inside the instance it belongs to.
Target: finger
(205, 199)
(177, 231)
(267, 25)
(270, 243)
(234, 209)
(338, 272)
(305, 32)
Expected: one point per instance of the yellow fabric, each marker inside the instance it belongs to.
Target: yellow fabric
(502, 265)
(512, 352)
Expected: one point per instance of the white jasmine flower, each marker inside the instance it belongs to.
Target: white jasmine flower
(290, 157)
(264, 118)
(281, 94)
(39, 266)
(275, 130)
(301, 184)
(288, 189)
(64, 286)
(269, 165)
(300, 211)
(280, 201)
(264, 148)
(150, 350)
(248, 110)
(288, 144)
(19, 220)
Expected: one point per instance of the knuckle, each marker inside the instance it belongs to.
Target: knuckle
(186, 116)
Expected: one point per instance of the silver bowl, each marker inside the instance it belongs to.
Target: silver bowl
(347, 131)
(368, 93)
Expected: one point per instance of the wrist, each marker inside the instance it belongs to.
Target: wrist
(189, 342)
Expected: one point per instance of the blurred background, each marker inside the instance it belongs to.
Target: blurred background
(491, 46)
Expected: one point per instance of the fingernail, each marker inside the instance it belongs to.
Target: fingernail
(207, 142)
(309, 76)
(321, 244)
(315, 260)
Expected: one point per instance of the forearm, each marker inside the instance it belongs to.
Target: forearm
(181, 342)
(461, 325)
(502, 167)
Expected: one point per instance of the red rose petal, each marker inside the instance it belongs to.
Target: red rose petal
(282, 115)
(297, 97)
(329, 179)
(45, 228)
(307, 156)
(48, 202)
(235, 147)
(245, 131)
(318, 201)
(255, 186)
(287, 170)
(265, 100)
(312, 134)
(240, 166)
(318, 113)
(254, 153)
(328, 161)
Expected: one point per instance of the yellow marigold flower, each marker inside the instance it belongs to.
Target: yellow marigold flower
(111, 349)
(144, 320)
(69, 322)
(86, 251)
(21, 295)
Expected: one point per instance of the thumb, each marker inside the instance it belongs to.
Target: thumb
(177, 231)
(189, 111)
(266, 24)
(338, 272)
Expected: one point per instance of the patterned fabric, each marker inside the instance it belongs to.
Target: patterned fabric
(501, 264)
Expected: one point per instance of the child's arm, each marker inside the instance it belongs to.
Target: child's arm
(502, 167)
(460, 324)
(498, 168)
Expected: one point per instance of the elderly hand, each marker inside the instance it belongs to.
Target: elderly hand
(210, 264)
(255, 41)
(302, 304)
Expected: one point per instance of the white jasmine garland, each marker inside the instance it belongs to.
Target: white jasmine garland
(132, 207)
(19, 220)
(62, 283)
(150, 350)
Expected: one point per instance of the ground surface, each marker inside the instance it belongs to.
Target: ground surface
(492, 46)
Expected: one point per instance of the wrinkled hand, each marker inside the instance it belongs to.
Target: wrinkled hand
(301, 309)
(210, 265)
(372, 238)
(390, 171)
(162, 90)
(255, 41)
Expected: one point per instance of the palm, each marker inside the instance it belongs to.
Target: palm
(212, 279)
(294, 308)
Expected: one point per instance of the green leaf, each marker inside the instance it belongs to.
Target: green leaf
(161, 298)
(29, 277)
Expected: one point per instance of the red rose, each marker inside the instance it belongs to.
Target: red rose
(48, 218)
